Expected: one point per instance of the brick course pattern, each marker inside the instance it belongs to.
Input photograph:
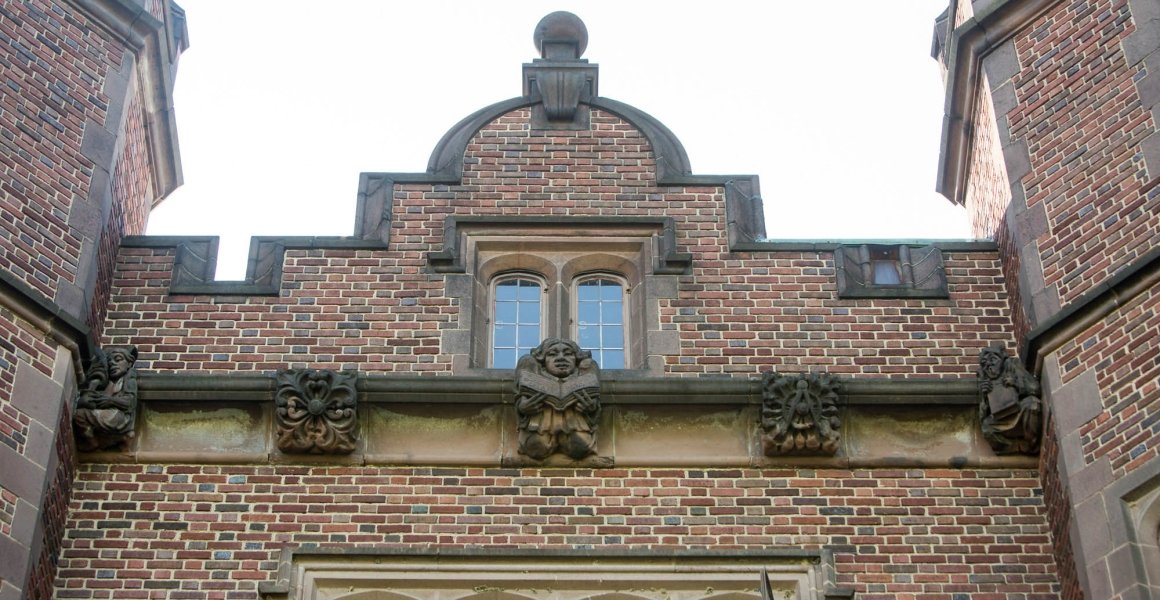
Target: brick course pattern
(1124, 352)
(142, 531)
(1057, 501)
(132, 199)
(54, 66)
(1080, 114)
(737, 313)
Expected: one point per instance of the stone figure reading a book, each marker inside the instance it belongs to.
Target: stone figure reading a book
(557, 400)
(1009, 406)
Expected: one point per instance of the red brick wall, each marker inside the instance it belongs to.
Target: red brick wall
(1124, 352)
(737, 312)
(1057, 502)
(216, 531)
(132, 200)
(1081, 117)
(58, 65)
(54, 512)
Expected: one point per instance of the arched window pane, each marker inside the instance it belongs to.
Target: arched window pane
(600, 321)
(516, 325)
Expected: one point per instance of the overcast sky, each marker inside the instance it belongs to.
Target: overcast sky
(281, 104)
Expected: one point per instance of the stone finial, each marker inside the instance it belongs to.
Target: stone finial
(560, 81)
(1010, 410)
(557, 400)
(106, 410)
(561, 36)
(315, 412)
(799, 414)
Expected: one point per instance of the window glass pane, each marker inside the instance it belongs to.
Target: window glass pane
(505, 336)
(613, 337)
(504, 359)
(886, 272)
(589, 313)
(516, 324)
(589, 337)
(529, 290)
(600, 321)
(505, 312)
(529, 338)
(612, 312)
(588, 292)
(506, 290)
(610, 291)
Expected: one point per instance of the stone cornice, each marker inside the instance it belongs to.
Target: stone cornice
(969, 45)
(150, 42)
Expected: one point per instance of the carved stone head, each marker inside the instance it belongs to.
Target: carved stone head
(559, 357)
(121, 359)
(991, 361)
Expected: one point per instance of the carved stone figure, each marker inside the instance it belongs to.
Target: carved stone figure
(315, 412)
(557, 400)
(1009, 405)
(107, 400)
(799, 414)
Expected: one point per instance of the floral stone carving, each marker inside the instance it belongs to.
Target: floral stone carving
(799, 414)
(557, 400)
(1009, 406)
(107, 400)
(315, 412)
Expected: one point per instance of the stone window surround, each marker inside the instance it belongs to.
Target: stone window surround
(920, 269)
(314, 573)
(639, 251)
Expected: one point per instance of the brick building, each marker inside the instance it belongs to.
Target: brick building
(807, 419)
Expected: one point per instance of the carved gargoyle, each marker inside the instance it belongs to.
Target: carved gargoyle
(1009, 406)
(557, 400)
(107, 400)
(315, 412)
(799, 414)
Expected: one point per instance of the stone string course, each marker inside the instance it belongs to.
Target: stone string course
(188, 531)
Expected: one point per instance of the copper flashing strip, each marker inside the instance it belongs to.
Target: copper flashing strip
(969, 44)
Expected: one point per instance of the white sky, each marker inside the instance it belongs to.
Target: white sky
(281, 104)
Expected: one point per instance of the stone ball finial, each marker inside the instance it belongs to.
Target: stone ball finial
(560, 29)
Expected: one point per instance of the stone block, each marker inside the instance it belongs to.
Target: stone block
(445, 434)
(1077, 402)
(683, 435)
(36, 395)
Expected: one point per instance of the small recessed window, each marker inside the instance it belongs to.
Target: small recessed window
(886, 272)
(516, 321)
(890, 271)
(600, 321)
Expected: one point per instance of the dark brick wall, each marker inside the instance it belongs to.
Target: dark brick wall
(210, 530)
(737, 313)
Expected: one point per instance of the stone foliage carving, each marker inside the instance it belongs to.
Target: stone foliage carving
(557, 400)
(799, 414)
(1009, 406)
(107, 400)
(315, 412)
